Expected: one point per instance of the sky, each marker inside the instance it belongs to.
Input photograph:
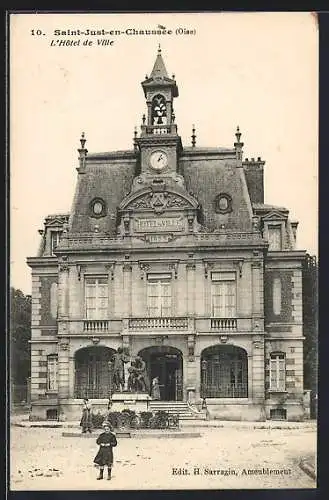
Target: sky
(255, 70)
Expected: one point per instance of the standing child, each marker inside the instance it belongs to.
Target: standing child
(107, 440)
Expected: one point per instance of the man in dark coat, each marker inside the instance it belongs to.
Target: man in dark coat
(106, 441)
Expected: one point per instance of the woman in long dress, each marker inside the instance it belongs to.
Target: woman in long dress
(86, 422)
(155, 393)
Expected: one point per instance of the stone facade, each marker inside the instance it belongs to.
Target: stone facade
(171, 252)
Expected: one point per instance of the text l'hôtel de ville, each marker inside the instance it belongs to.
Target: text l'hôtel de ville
(65, 42)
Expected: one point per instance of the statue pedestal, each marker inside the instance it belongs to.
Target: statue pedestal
(136, 401)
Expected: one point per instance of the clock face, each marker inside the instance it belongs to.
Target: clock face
(158, 160)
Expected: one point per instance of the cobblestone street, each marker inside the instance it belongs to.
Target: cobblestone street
(42, 459)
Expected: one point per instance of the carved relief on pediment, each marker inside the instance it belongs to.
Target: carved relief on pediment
(158, 201)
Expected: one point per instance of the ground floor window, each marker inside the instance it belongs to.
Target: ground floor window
(278, 414)
(277, 371)
(224, 372)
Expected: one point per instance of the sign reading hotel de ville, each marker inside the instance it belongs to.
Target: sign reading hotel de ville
(159, 224)
(169, 260)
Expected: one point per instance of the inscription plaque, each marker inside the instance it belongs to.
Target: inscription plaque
(159, 224)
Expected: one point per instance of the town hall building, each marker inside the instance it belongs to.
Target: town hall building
(170, 252)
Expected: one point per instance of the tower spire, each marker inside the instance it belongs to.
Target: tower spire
(159, 68)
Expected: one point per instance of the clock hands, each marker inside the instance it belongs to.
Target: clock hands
(160, 157)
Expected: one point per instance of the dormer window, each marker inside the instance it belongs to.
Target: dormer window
(274, 237)
(55, 239)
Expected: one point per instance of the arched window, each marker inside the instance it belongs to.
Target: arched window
(277, 371)
(93, 378)
(224, 372)
(159, 110)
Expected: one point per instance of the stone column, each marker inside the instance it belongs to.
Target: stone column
(127, 268)
(149, 112)
(71, 368)
(63, 289)
(199, 290)
(197, 375)
(63, 369)
(180, 292)
(169, 112)
(111, 291)
(190, 290)
(250, 376)
(258, 370)
(257, 310)
(136, 290)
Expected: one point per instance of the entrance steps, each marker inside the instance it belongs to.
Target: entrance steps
(180, 408)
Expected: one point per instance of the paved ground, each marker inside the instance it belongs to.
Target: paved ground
(42, 459)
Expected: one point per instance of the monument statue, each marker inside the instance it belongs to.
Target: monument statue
(117, 364)
(138, 380)
(132, 379)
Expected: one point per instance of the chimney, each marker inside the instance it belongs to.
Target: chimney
(254, 172)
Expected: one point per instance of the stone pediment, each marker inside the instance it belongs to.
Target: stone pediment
(158, 214)
(56, 220)
(158, 200)
(274, 216)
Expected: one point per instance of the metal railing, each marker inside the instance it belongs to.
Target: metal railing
(95, 325)
(158, 323)
(92, 391)
(223, 324)
(224, 391)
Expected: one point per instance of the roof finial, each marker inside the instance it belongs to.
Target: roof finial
(159, 49)
(135, 138)
(82, 151)
(82, 140)
(193, 136)
(238, 134)
(238, 146)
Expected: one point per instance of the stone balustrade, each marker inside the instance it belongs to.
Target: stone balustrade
(160, 323)
(95, 325)
(223, 324)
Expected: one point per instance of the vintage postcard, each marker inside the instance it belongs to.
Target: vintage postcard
(163, 250)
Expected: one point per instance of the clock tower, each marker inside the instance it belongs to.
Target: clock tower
(159, 143)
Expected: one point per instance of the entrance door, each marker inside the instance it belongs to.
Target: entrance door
(165, 363)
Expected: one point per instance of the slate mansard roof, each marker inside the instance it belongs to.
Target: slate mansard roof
(207, 172)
